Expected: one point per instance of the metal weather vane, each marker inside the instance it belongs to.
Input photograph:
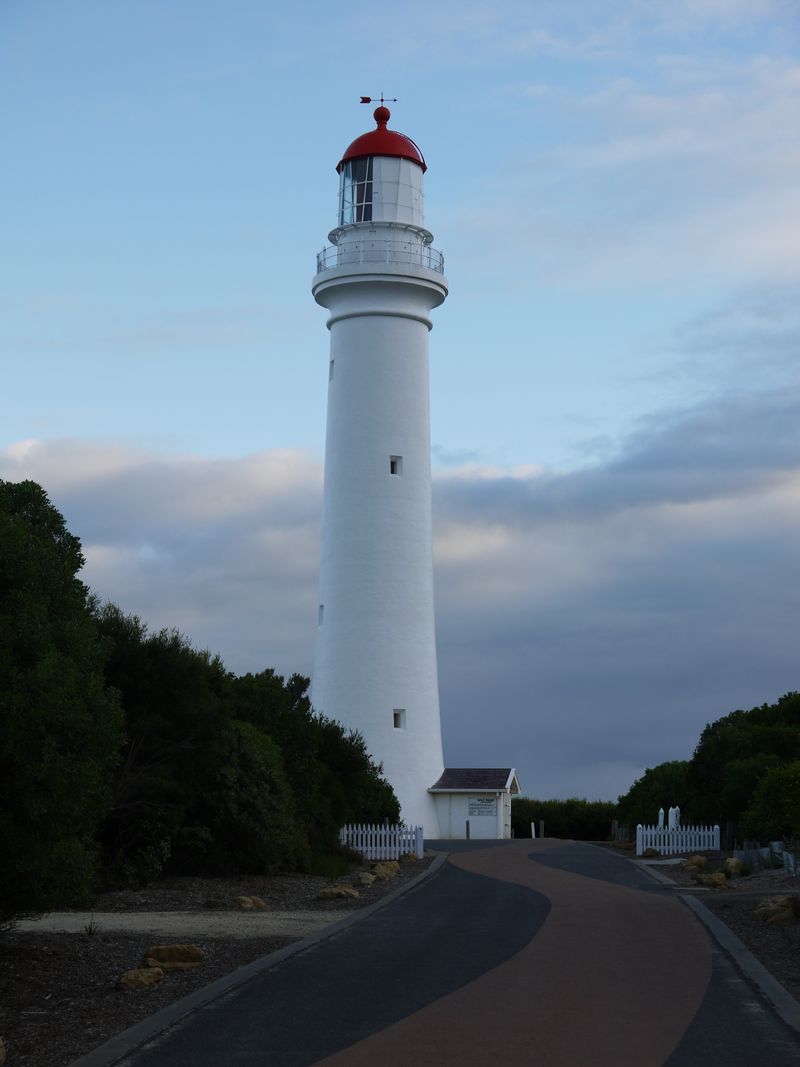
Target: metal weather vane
(374, 99)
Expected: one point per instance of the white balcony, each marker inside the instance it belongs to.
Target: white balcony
(392, 253)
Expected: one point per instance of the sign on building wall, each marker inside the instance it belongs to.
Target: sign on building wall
(483, 806)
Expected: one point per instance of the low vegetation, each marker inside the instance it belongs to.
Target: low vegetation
(744, 775)
(125, 754)
(578, 819)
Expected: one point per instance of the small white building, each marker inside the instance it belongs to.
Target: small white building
(475, 802)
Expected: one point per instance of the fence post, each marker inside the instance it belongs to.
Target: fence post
(639, 836)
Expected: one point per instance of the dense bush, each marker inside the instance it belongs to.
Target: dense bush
(774, 813)
(735, 753)
(146, 747)
(662, 786)
(578, 819)
(60, 726)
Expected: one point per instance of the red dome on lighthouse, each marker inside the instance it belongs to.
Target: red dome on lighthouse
(383, 142)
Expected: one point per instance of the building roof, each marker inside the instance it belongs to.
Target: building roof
(383, 142)
(476, 780)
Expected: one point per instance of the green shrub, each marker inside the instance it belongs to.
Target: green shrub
(576, 818)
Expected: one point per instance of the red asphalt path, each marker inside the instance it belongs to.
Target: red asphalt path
(614, 976)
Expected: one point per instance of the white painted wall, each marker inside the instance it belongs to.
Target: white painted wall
(455, 809)
(376, 648)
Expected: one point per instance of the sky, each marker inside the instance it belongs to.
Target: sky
(615, 390)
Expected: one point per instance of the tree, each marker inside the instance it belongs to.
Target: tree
(735, 752)
(576, 818)
(331, 774)
(176, 702)
(662, 786)
(774, 814)
(60, 725)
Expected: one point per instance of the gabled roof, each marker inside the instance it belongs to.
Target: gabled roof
(476, 780)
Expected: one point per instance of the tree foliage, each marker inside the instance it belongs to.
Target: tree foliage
(662, 786)
(735, 753)
(224, 774)
(575, 818)
(774, 813)
(60, 725)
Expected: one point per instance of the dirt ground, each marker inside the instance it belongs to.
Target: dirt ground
(58, 991)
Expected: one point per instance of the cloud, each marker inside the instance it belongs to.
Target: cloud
(224, 549)
(589, 622)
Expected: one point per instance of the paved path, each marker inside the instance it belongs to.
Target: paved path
(545, 952)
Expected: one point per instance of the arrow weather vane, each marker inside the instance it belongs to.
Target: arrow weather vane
(374, 99)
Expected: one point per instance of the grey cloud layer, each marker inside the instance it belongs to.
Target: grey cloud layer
(589, 622)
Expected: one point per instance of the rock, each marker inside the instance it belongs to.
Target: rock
(365, 878)
(650, 853)
(175, 954)
(250, 903)
(782, 909)
(386, 870)
(408, 857)
(141, 978)
(715, 881)
(170, 966)
(733, 867)
(337, 892)
(781, 915)
(695, 863)
(2, 1052)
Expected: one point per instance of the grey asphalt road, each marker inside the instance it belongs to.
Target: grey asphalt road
(556, 954)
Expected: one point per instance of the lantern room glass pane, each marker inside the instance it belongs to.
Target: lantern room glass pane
(356, 192)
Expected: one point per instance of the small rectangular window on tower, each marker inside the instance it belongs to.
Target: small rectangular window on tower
(330, 371)
(395, 464)
(399, 718)
(321, 613)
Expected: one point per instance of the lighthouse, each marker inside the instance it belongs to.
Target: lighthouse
(375, 656)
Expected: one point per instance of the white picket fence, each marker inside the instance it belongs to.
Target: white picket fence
(383, 842)
(676, 842)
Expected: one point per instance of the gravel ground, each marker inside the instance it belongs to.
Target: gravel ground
(58, 991)
(776, 946)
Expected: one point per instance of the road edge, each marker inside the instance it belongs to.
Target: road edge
(127, 1041)
(786, 1006)
(781, 999)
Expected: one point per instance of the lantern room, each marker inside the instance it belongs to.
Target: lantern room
(380, 177)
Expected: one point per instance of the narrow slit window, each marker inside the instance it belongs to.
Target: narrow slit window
(399, 718)
(395, 465)
(330, 371)
(321, 613)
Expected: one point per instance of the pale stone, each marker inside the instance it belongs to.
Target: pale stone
(175, 954)
(733, 866)
(365, 878)
(781, 915)
(408, 857)
(245, 903)
(715, 881)
(781, 909)
(259, 904)
(386, 870)
(337, 892)
(141, 978)
(170, 966)
(695, 863)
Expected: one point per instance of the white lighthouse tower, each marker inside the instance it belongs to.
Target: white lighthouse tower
(375, 659)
